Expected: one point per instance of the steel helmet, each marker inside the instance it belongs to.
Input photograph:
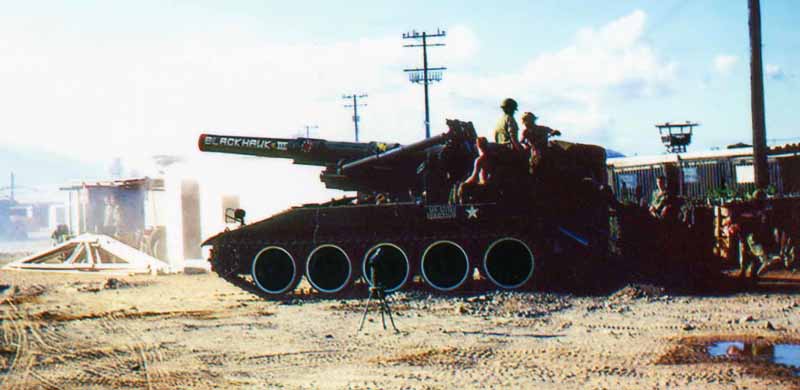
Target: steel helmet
(509, 103)
(529, 115)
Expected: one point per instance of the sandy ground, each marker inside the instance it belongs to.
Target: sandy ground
(197, 331)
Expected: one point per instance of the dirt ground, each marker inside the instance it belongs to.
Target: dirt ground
(197, 331)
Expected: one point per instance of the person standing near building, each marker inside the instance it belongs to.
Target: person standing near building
(660, 198)
(756, 237)
(112, 216)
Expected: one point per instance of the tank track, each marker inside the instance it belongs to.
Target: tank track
(226, 268)
(231, 260)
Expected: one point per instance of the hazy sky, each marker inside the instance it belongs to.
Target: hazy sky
(98, 79)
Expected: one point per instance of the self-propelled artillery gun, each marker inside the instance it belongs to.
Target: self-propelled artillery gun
(529, 225)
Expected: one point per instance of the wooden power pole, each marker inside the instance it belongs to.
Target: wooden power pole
(760, 167)
(425, 75)
(355, 106)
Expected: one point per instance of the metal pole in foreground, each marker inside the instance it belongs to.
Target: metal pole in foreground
(760, 166)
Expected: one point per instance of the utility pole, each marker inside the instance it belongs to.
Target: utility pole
(308, 129)
(760, 167)
(355, 106)
(425, 75)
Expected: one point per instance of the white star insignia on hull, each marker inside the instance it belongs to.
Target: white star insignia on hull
(472, 212)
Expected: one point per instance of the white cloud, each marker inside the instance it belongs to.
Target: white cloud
(724, 63)
(461, 45)
(96, 97)
(774, 72)
(574, 87)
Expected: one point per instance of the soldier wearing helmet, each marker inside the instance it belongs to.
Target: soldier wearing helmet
(534, 135)
(535, 139)
(507, 130)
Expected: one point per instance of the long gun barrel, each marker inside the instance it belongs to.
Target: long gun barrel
(458, 132)
(306, 151)
(349, 166)
(394, 153)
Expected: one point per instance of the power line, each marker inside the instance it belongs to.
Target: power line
(425, 75)
(355, 106)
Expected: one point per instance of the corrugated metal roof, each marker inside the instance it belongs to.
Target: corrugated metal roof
(623, 162)
(148, 182)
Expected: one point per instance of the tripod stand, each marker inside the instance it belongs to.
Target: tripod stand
(377, 291)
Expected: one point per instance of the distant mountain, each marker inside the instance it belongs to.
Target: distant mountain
(38, 174)
(613, 154)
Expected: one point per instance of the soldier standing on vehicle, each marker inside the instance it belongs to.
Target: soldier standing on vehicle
(534, 139)
(535, 136)
(506, 131)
